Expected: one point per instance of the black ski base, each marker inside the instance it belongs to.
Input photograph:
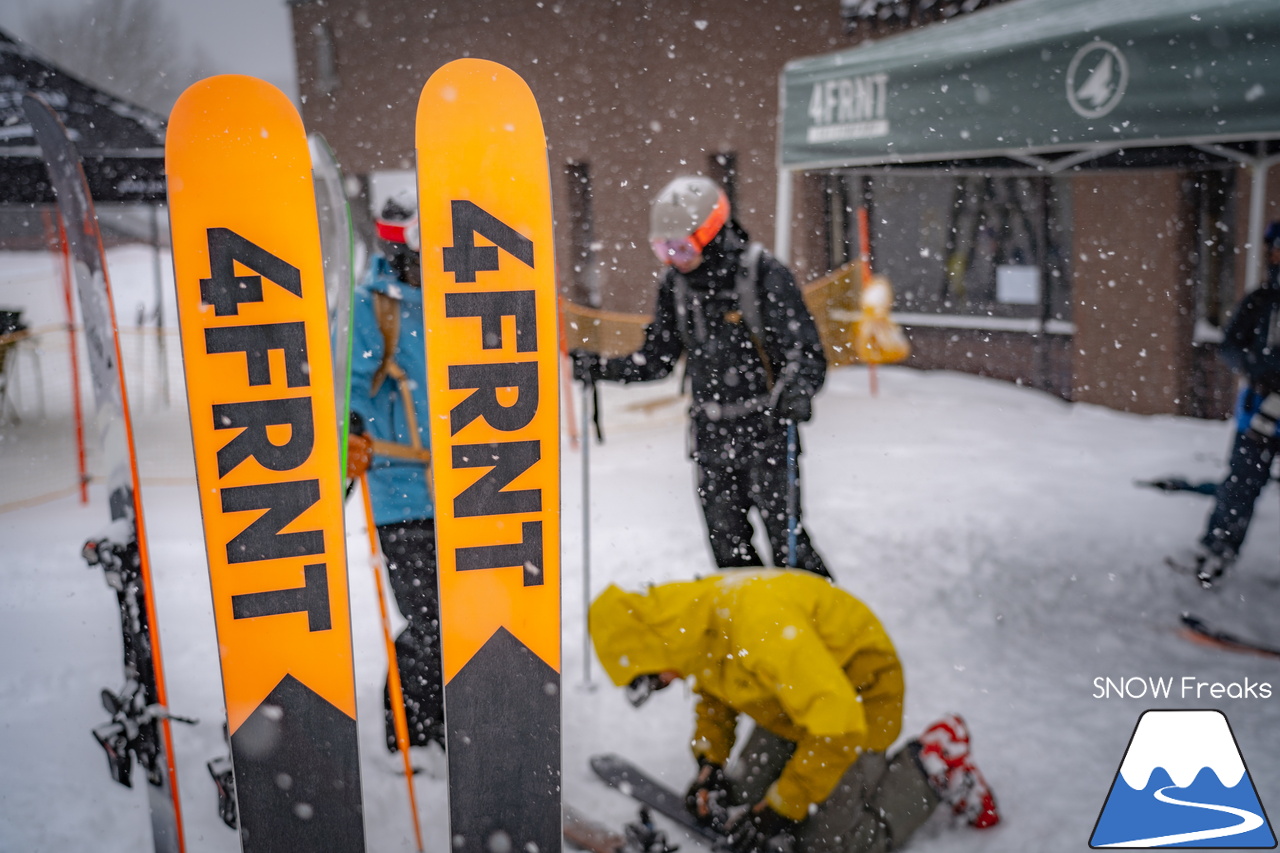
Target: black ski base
(620, 773)
(1199, 631)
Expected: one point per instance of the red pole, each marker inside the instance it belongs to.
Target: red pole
(65, 251)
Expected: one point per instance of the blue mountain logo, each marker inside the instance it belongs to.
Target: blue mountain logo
(1183, 783)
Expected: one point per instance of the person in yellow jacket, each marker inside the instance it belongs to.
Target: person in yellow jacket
(816, 671)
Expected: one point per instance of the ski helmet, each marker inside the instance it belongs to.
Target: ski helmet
(686, 216)
(397, 225)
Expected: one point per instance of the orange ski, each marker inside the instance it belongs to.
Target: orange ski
(255, 341)
(489, 306)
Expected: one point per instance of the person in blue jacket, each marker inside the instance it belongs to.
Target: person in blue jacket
(389, 441)
(1251, 345)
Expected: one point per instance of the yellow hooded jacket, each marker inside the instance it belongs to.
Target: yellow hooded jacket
(802, 658)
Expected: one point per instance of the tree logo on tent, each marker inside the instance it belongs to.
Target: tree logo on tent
(1096, 79)
(1182, 783)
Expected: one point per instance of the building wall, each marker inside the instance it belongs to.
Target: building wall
(639, 91)
(1035, 361)
(1134, 296)
(635, 92)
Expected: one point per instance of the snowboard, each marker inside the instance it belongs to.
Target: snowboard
(253, 315)
(639, 836)
(1199, 631)
(139, 725)
(620, 773)
(489, 305)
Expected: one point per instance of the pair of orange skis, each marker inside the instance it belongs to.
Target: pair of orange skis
(256, 349)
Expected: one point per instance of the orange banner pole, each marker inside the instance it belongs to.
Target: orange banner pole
(393, 666)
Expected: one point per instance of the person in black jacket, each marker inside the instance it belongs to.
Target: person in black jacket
(754, 362)
(1251, 345)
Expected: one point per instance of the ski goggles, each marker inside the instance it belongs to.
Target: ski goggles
(683, 250)
(400, 232)
(642, 687)
(679, 252)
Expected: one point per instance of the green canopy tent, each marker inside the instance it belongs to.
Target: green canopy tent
(1046, 85)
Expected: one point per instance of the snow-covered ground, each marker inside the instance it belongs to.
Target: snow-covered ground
(996, 530)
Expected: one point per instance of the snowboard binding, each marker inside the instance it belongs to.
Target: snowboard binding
(224, 780)
(133, 731)
(643, 837)
(115, 559)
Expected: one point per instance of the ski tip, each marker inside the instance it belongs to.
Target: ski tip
(460, 84)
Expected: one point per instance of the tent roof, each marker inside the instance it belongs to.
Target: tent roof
(1041, 81)
(122, 144)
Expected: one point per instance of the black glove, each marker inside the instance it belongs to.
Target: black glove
(708, 797)
(796, 405)
(587, 365)
(753, 830)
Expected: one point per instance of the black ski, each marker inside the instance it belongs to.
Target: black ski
(139, 724)
(1199, 631)
(620, 773)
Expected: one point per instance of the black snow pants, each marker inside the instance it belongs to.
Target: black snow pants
(1250, 469)
(877, 805)
(736, 473)
(410, 551)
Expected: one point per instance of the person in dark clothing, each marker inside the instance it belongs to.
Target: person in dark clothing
(753, 362)
(1251, 346)
(389, 433)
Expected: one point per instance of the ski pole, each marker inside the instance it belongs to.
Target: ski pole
(393, 667)
(793, 520)
(566, 371)
(586, 533)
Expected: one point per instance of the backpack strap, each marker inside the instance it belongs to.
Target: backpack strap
(747, 285)
(692, 330)
(386, 310)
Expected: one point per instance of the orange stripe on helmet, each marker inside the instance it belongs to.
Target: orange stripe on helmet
(715, 221)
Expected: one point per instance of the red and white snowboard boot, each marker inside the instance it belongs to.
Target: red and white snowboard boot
(945, 757)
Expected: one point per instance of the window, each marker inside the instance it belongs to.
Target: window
(582, 243)
(980, 245)
(839, 219)
(1210, 195)
(723, 169)
(326, 59)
